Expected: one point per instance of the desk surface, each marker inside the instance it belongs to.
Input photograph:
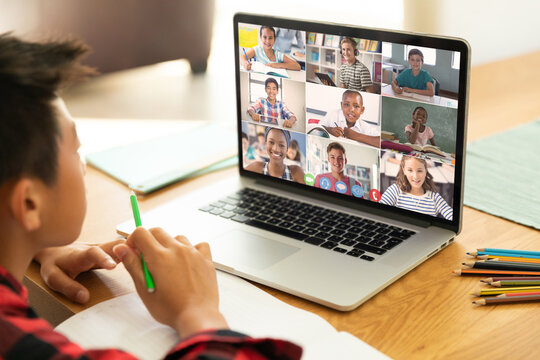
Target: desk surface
(428, 312)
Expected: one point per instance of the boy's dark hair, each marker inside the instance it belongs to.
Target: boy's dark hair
(335, 145)
(352, 92)
(416, 52)
(271, 80)
(31, 74)
(267, 27)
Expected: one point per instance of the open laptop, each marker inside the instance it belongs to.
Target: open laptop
(335, 219)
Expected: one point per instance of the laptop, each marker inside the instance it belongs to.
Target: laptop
(335, 219)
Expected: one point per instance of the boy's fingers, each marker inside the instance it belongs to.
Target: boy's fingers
(108, 247)
(132, 263)
(182, 239)
(143, 240)
(204, 249)
(61, 282)
(162, 237)
(95, 257)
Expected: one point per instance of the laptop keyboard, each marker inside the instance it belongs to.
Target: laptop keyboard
(333, 230)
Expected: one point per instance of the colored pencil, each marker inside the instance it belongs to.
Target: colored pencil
(520, 293)
(504, 283)
(509, 299)
(481, 253)
(511, 278)
(493, 272)
(496, 291)
(502, 265)
(508, 258)
(137, 216)
(510, 251)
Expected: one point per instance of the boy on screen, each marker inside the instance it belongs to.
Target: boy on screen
(336, 180)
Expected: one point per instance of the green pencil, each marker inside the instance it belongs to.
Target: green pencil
(137, 216)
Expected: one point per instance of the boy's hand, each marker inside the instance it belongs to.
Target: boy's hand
(256, 117)
(186, 294)
(336, 131)
(60, 266)
(247, 66)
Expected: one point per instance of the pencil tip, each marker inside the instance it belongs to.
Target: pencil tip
(132, 193)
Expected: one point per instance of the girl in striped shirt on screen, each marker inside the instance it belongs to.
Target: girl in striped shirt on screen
(415, 190)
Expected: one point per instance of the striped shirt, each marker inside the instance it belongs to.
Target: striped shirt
(355, 76)
(287, 175)
(431, 203)
(260, 56)
(270, 113)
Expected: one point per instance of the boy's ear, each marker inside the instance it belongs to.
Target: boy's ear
(25, 203)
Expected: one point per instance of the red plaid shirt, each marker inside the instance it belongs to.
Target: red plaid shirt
(23, 335)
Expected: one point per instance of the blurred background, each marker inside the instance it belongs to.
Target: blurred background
(186, 47)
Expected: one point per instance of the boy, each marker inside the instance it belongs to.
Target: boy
(332, 180)
(42, 206)
(269, 110)
(346, 121)
(415, 79)
(353, 74)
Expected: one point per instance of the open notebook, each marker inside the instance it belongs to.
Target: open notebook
(124, 322)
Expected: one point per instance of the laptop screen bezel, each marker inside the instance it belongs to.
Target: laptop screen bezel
(392, 36)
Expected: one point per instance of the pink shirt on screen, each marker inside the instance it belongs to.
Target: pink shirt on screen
(422, 137)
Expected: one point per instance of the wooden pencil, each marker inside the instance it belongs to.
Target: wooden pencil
(493, 272)
(497, 291)
(479, 253)
(502, 265)
(503, 283)
(520, 293)
(506, 299)
(511, 278)
(508, 258)
(510, 251)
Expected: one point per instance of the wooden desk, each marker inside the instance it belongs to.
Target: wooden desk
(426, 314)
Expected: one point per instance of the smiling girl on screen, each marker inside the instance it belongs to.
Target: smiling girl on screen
(415, 190)
(266, 54)
(277, 144)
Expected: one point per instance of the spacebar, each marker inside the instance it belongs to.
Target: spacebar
(277, 229)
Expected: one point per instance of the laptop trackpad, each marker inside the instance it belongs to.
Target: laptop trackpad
(243, 248)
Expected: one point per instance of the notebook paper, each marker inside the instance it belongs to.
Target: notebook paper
(124, 322)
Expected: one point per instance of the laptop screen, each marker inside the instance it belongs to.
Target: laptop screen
(374, 116)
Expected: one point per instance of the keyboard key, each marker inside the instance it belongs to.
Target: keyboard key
(363, 239)
(216, 211)
(366, 257)
(377, 243)
(340, 250)
(227, 214)
(329, 245)
(274, 221)
(323, 235)
(217, 204)
(369, 248)
(299, 228)
(301, 221)
(228, 207)
(310, 231)
(342, 226)
(240, 218)
(348, 242)
(314, 240)
(324, 228)
(350, 236)
(263, 217)
(355, 253)
(240, 210)
(337, 232)
(207, 208)
(335, 238)
(330, 223)
(276, 229)
(389, 246)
